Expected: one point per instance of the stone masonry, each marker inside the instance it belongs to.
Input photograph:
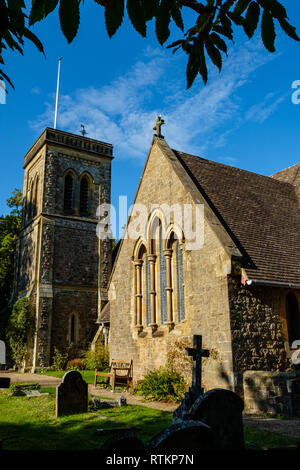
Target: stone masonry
(62, 266)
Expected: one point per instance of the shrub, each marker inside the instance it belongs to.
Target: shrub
(97, 359)
(18, 328)
(163, 384)
(76, 364)
(59, 360)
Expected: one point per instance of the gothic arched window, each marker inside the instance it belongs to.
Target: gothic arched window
(73, 338)
(292, 317)
(68, 194)
(163, 279)
(84, 196)
(180, 283)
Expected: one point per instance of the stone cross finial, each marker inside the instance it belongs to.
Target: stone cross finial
(157, 127)
(197, 353)
(83, 132)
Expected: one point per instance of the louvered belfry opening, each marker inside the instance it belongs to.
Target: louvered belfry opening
(68, 194)
(84, 188)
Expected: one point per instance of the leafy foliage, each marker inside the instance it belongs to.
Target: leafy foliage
(99, 358)
(18, 327)
(9, 229)
(59, 359)
(163, 384)
(76, 364)
(215, 24)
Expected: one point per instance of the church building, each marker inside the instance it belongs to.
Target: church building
(239, 289)
(61, 265)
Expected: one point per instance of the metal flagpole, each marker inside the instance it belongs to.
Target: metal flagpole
(57, 91)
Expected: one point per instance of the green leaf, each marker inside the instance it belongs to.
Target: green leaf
(192, 68)
(219, 42)
(241, 7)
(214, 54)
(277, 10)
(3, 75)
(29, 35)
(136, 16)
(69, 17)
(221, 30)
(202, 66)
(176, 15)
(251, 19)
(268, 31)
(163, 19)
(114, 17)
(150, 8)
(288, 29)
(40, 9)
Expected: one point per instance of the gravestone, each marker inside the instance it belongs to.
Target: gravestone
(71, 394)
(4, 382)
(196, 389)
(2, 353)
(222, 411)
(182, 437)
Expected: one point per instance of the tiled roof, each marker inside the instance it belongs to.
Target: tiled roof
(105, 314)
(262, 215)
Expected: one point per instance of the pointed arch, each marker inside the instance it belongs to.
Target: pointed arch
(68, 192)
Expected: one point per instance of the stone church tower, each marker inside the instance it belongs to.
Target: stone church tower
(61, 265)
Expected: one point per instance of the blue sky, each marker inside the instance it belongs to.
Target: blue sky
(244, 117)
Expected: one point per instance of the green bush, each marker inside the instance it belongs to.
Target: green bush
(59, 360)
(163, 384)
(76, 364)
(17, 387)
(18, 327)
(99, 358)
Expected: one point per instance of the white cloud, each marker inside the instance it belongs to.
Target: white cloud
(261, 111)
(123, 112)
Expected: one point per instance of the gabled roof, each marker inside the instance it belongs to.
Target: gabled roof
(262, 215)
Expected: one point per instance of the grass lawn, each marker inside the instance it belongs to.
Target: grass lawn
(29, 424)
(87, 375)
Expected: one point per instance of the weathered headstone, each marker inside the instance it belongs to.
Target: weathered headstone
(2, 353)
(222, 411)
(181, 437)
(4, 382)
(71, 394)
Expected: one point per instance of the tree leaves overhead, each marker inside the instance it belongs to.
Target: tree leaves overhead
(69, 18)
(114, 14)
(215, 24)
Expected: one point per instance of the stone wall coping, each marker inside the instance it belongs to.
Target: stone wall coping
(66, 139)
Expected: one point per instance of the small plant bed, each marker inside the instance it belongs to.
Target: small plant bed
(162, 384)
(17, 388)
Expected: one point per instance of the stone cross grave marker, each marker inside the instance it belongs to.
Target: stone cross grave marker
(71, 394)
(197, 354)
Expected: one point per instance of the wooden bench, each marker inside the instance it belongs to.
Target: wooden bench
(120, 373)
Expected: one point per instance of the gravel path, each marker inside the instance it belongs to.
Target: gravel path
(290, 428)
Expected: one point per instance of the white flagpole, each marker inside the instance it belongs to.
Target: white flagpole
(57, 91)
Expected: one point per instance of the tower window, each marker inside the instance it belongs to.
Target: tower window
(84, 189)
(73, 330)
(68, 194)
